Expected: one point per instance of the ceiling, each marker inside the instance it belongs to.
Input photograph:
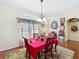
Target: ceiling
(50, 7)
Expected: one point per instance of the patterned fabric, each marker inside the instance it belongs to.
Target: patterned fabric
(63, 53)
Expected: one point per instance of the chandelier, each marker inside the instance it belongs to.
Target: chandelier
(41, 9)
(42, 18)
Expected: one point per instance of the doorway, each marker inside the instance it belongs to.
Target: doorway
(73, 29)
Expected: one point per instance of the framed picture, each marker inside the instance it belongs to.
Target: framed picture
(62, 20)
(54, 25)
(61, 33)
(62, 27)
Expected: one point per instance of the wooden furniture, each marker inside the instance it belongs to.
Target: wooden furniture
(34, 46)
(26, 46)
(48, 47)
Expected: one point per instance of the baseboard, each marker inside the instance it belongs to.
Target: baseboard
(12, 48)
(73, 40)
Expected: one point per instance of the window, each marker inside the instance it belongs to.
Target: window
(27, 29)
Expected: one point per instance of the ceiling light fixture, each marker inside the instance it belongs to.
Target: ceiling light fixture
(41, 10)
(42, 18)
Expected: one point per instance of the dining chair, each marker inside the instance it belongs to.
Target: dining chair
(26, 46)
(48, 47)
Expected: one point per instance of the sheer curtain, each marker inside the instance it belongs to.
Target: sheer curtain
(27, 29)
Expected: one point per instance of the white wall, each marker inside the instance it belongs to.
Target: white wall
(9, 28)
(67, 16)
(9, 31)
(73, 14)
(73, 35)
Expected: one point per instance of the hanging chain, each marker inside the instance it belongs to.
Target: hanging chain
(41, 10)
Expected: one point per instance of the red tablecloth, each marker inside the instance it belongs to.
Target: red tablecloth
(35, 46)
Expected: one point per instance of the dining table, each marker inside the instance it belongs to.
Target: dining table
(35, 46)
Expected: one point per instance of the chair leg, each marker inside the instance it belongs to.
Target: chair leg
(26, 54)
(51, 52)
(55, 47)
(29, 56)
(45, 55)
(39, 55)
